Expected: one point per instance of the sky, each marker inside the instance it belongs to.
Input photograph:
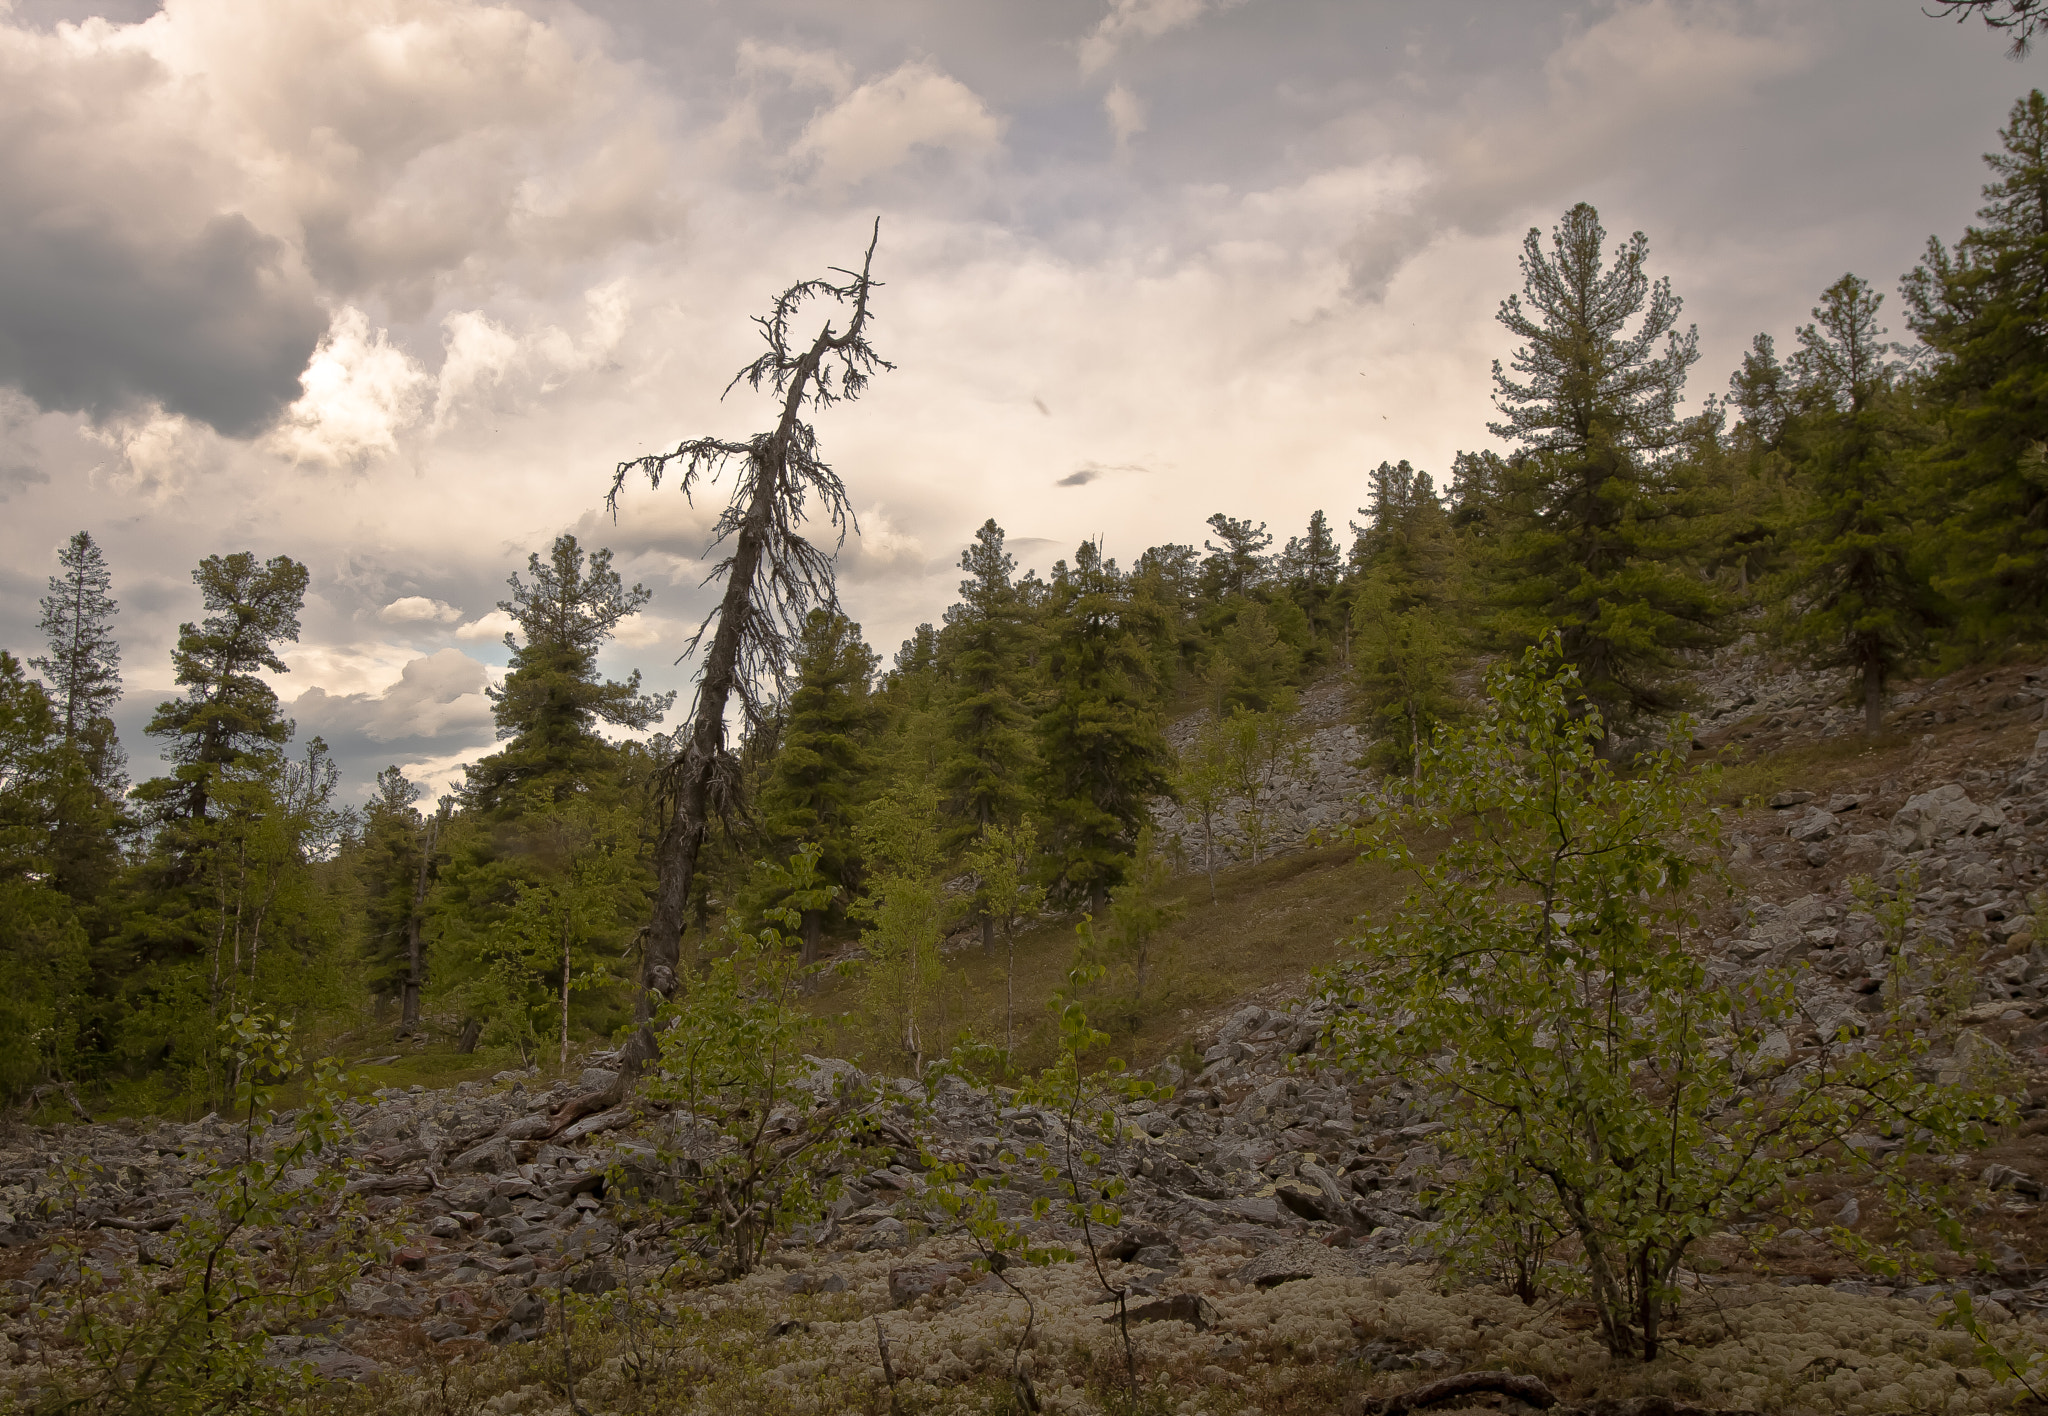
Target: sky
(392, 286)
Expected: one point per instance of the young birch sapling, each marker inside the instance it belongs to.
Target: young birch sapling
(1600, 1083)
(752, 1150)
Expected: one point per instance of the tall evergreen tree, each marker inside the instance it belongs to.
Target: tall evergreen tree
(553, 697)
(1102, 752)
(1859, 591)
(984, 776)
(1240, 565)
(228, 716)
(1981, 306)
(1314, 565)
(83, 666)
(1600, 522)
(818, 778)
(396, 863)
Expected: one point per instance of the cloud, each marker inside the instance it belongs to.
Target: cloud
(418, 609)
(360, 392)
(1126, 114)
(188, 197)
(884, 121)
(492, 628)
(1094, 471)
(1129, 20)
(436, 696)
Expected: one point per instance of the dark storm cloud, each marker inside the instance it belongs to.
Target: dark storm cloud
(203, 324)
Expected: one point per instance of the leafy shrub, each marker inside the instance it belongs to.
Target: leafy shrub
(1610, 1101)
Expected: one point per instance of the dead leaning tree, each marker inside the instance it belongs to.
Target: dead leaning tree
(773, 578)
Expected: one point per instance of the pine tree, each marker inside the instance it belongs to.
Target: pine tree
(1100, 743)
(1314, 565)
(83, 667)
(1240, 565)
(228, 717)
(1601, 522)
(1858, 589)
(1980, 306)
(818, 778)
(553, 697)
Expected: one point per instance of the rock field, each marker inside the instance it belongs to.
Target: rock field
(1267, 1182)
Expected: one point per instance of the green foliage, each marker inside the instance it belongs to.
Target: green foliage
(553, 697)
(820, 771)
(1610, 1101)
(83, 665)
(899, 837)
(761, 1136)
(1201, 783)
(265, 1243)
(1597, 517)
(1100, 743)
(1857, 594)
(1001, 862)
(1258, 749)
(535, 911)
(985, 773)
(1980, 305)
(228, 718)
(1123, 947)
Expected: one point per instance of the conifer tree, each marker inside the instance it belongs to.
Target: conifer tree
(1100, 742)
(228, 717)
(397, 860)
(553, 698)
(989, 761)
(818, 778)
(83, 666)
(1314, 565)
(1600, 522)
(1240, 565)
(1981, 306)
(1859, 592)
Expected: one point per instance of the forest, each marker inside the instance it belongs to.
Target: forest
(1875, 506)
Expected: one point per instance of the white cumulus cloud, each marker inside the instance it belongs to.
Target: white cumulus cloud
(361, 391)
(418, 609)
(883, 121)
(488, 628)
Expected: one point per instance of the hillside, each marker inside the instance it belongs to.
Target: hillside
(1273, 1235)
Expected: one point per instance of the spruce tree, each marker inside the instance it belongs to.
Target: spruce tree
(1858, 588)
(1981, 306)
(83, 667)
(985, 774)
(1102, 752)
(818, 778)
(228, 717)
(1600, 520)
(553, 698)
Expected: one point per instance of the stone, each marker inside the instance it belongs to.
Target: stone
(1190, 1308)
(493, 1157)
(914, 1281)
(1816, 826)
(1781, 800)
(1301, 1258)
(1942, 814)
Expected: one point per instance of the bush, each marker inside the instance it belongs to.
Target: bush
(1609, 1100)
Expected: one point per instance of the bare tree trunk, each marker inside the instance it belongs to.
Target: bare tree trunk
(814, 936)
(565, 988)
(772, 570)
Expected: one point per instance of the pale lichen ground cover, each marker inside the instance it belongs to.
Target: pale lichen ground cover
(1292, 1348)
